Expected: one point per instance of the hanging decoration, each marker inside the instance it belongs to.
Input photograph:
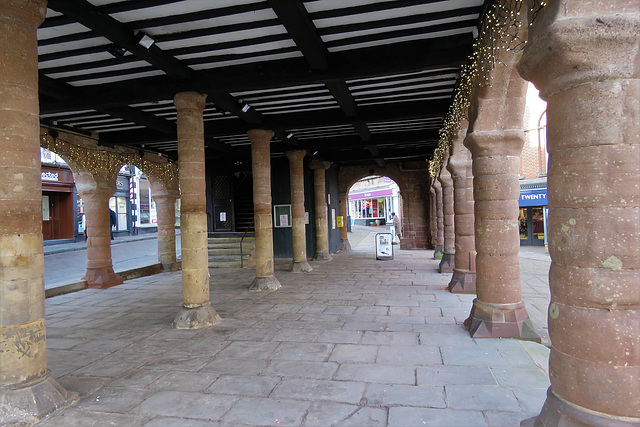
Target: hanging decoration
(500, 30)
(99, 160)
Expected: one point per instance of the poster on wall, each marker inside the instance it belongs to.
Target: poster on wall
(333, 219)
(282, 216)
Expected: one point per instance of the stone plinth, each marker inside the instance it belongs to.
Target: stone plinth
(299, 237)
(583, 56)
(27, 392)
(261, 166)
(196, 309)
(322, 225)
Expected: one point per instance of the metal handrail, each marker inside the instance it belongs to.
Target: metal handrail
(243, 236)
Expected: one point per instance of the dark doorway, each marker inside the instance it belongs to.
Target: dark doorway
(531, 224)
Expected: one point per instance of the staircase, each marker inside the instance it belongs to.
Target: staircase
(224, 250)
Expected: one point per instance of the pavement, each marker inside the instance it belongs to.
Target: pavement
(355, 342)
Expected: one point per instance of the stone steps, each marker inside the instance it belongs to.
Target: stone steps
(224, 252)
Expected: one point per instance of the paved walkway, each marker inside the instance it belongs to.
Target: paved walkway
(355, 342)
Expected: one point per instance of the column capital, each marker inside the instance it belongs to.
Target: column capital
(190, 101)
(295, 155)
(573, 42)
(507, 142)
(319, 164)
(257, 135)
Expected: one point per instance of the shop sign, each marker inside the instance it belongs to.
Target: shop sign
(533, 197)
(49, 176)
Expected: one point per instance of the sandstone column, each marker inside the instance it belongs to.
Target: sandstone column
(261, 166)
(27, 392)
(447, 263)
(196, 311)
(322, 224)
(433, 221)
(437, 253)
(344, 237)
(299, 236)
(584, 58)
(464, 273)
(165, 206)
(495, 138)
(96, 191)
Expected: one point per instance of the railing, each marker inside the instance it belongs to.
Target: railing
(243, 236)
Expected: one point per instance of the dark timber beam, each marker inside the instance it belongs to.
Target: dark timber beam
(90, 16)
(391, 59)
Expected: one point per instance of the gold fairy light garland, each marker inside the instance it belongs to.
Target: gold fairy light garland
(99, 160)
(500, 28)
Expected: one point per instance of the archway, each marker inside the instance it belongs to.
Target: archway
(412, 179)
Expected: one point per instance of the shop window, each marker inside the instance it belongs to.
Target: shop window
(145, 202)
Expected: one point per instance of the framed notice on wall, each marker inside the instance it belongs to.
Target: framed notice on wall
(282, 216)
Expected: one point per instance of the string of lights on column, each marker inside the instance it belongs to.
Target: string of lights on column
(101, 160)
(499, 31)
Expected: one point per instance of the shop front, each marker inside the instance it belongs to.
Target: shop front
(58, 203)
(371, 208)
(120, 204)
(533, 216)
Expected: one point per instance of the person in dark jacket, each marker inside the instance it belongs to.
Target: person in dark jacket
(112, 221)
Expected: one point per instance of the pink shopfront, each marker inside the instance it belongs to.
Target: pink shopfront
(371, 206)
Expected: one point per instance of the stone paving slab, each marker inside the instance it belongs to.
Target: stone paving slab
(355, 342)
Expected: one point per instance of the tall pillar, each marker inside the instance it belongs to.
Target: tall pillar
(322, 224)
(196, 311)
(437, 253)
(433, 221)
(27, 391)
(344, 237)
(495, 138)
(447, 263)
(165, 200)
(296, 182)
(464, 273)
(265, 279)
(96, 192)
(498, 311)
(583, 56)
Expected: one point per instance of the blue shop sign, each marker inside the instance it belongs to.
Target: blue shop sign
(533, 197)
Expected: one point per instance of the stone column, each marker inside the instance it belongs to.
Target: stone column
(464, 273)
(433, 221)
(196, 311)
(322, 224)
(437, 253)
(447, 263)
(165, 200)
(583, 56)
(299, 236)
(344, 237)
(498, 311)
(96, 192)
(27, 392)
(261, 166)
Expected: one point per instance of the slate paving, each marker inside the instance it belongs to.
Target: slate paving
(355, 342)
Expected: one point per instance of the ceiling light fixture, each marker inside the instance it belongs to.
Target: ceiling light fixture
(290, 135)
(145, 40)
(245, 108)
(116, 51)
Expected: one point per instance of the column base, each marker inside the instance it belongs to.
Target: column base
(437, 252)
(463, 282)
(558, 412)
(448, 262)
(500, 321)
(300, 267)
(102, 278)
(323, 256)
(30, 403)
(172, 266)
(196, 317)
(345, 245)
(269, 283)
